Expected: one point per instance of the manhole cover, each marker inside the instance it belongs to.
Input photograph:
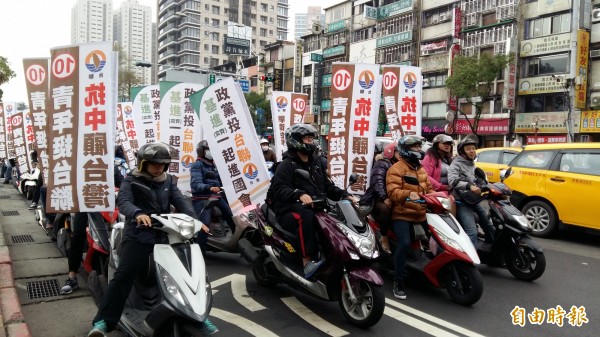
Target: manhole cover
(4, 196)
(41, 289)
(22, 238)
(10, 213)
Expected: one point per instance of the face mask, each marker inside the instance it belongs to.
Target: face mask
(265, 148)
(208, 155)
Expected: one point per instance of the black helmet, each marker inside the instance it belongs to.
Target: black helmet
(378, 146)
(294, 135)
(470, 139)
(154, 153)
(404, 145)
(201, 148)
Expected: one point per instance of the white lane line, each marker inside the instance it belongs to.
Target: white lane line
(238, 290)
(432, 319)
(417, 323)
(244, 324)
(312, 318)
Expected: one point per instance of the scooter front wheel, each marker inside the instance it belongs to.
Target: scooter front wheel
(464, 285)
(369, 305)
(259, 270)
(525, 263)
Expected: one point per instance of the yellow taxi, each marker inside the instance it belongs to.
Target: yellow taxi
(492, 160)
(556, 184)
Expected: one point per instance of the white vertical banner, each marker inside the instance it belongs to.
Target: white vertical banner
(232, 138)
(9, 110)
(410, 100)
(280, 112)
(180, 128)
(29, 133)
(145, 114)
(127, 135)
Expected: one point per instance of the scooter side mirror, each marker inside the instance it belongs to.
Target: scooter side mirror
(479, 173)
(353, 179)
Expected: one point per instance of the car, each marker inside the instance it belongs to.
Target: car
(556, 184)
(493, 160)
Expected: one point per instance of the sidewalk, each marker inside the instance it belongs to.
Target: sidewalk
(32, 271)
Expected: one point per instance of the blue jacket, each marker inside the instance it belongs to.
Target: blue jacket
(199, 184)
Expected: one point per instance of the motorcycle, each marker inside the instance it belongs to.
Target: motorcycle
(347, 246)
(174, 297)
(98, 251)
(449, 260)
(29, 181)
(512, 248)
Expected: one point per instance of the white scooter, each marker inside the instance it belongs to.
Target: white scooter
(174, 297)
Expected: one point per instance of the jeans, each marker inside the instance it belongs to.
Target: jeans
(8, 172)
(465, 214)
(133, 257)
(401, 229)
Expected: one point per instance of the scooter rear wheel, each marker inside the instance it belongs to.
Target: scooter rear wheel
(525, 263)
(464, 285)
(369, 307)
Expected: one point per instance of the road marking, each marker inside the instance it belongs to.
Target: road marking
(416, 323)
(244, 324)
(312, 318)
(432, 319)
(238, 289)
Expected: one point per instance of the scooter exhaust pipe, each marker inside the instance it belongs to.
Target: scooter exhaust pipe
(247, 250)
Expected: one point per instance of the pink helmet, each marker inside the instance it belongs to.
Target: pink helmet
(388, 151)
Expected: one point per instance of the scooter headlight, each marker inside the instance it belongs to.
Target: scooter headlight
(446, 203)
(522, 220)
(171, 286)
(364, 244)
(450, 242)
(186, 227)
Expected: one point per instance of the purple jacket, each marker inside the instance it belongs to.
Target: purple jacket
(377, 187)
(433, 167)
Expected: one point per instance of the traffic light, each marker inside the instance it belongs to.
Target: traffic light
(262, 78)
(267, 78)
(270, 78)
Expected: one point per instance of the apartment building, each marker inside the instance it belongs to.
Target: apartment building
(303, 22)
(91, 21)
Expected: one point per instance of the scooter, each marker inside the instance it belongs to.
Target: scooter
(174, 297)
(347, 246)
(29, 181)
(449, 260)
(512, 248)
(98, 251)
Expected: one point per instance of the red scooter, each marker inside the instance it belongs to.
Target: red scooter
(450, 259)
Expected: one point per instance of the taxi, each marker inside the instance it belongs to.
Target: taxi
(556, 184)
(493, 160)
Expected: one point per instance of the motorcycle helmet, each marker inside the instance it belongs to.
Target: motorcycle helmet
(470, 139)
(442, 138)
(404, 145)
(294, 135)
(378, 146)
(154, 153)
(388, 151)
(264, 141)
(201, 148)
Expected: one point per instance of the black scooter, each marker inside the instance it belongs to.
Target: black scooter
(512, 248)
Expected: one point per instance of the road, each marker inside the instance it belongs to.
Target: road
(244, 308)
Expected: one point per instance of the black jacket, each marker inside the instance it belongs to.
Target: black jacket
(140, 195)
(377, 188)
(287, 187)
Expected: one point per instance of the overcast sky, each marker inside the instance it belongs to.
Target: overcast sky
(30, 28)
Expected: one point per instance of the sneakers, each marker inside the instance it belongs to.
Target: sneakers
(99, 330)
(210, 326)
(311, 268)
(70, 285)
(33, 205)
(398, 290)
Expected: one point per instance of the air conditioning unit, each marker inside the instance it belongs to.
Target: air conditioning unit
(595, 100)
(434, 21)
(594, 53)
(443, 17)
(425, 82)
(342, 40)
(404, 56)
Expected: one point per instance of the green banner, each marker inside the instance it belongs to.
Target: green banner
(393, 39)
(395, 8)
(334, 51)
(335, 26)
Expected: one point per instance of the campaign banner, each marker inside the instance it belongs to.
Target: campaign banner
(18, 133)
(287, 108)
(180, 128)
(9, 110)
(29, 137)
(355, 98)
(146, 112)
(3, 152)
(231, 136)
(81, 129)
(37, 82)
(402, 94)
(126, 133)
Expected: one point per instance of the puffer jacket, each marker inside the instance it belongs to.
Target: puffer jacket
(398, 191)
(199, 184)
(461, 175)
(377, 186)
(140, 195)
(433, 167)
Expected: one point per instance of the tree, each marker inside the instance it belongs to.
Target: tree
(5, 73)
(258, 101)
(128, 78)
(473, 79)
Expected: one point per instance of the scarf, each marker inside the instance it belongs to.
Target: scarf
(160, 179)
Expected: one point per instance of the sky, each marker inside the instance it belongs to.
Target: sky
(30, 28)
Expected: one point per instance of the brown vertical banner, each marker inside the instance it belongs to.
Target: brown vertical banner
(342, 81)
(63, 119)
(390, 89)
(299, 104)
(19, 142)
(37, 81)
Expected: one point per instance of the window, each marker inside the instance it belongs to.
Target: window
(534, 159)
(436, 79)
(491, 156)
(545, 103)
(263, 20)
(584, 163)
(549, 25)
(432, 110)
(215, 50)
(547, 65)
(307, 70)
(435, 16)
(216, 10)
(508, 157)
(263, 32)
(215, 23)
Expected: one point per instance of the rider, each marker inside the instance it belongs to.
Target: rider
(267, 152)
(437, 161)
(405, 214)
(461, 176)
(162, 192)
(290, 194)
(376, 195)
(204, 188)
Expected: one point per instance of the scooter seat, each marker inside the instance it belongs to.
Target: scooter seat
(272, 220)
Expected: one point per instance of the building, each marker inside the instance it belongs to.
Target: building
(303, 22)
(91, 21)
(191, 33)
(133, 32)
